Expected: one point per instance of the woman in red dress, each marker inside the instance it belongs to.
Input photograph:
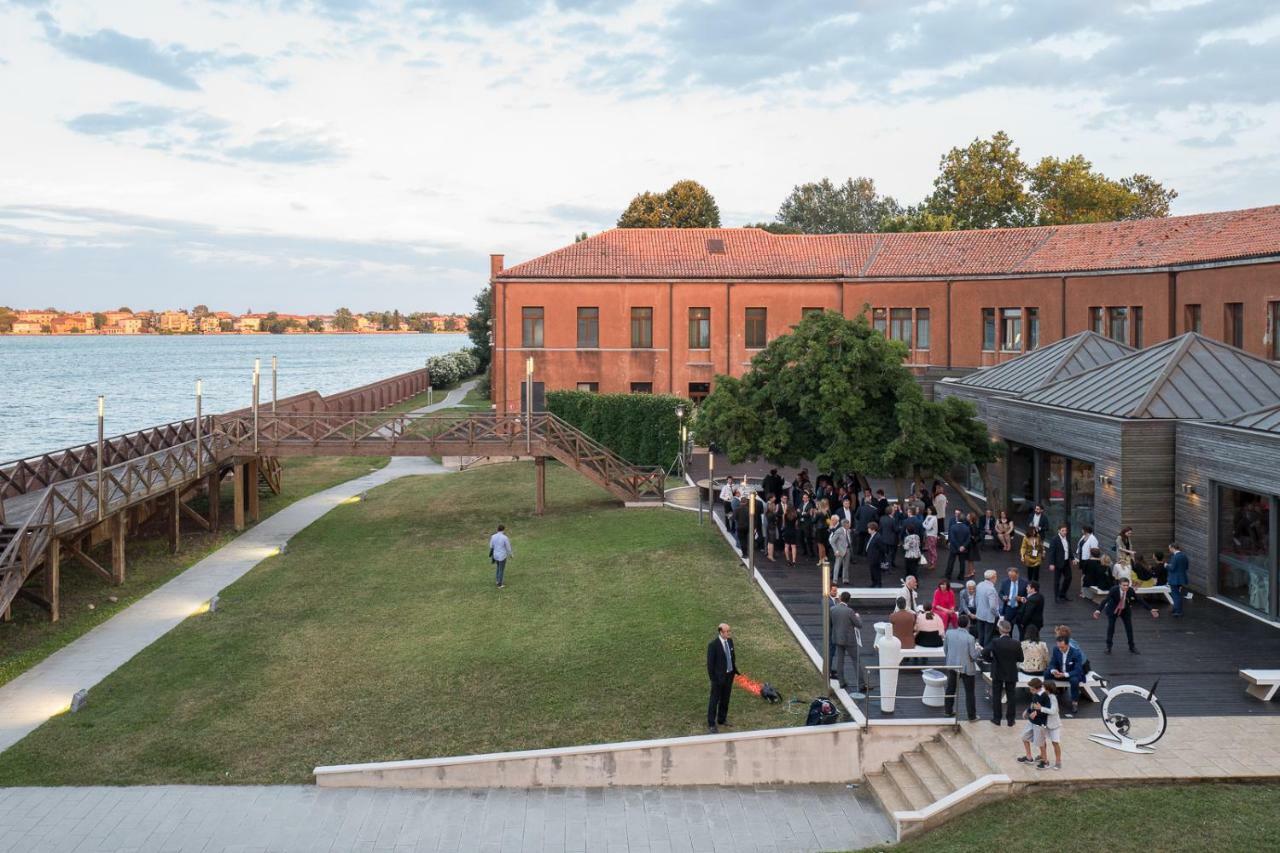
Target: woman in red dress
(944, 603)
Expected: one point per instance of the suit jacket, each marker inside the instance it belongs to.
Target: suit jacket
(1004, 653)
(1178, 567)
(961, 650)
(1073, 666)
(717, 666)
(877, 551)
(959, 535)
(864, 515)
(988, 602)
(1033, 610)
(1058, 555)
(966, 605)
(1112, 600)
(1008, 610)
(845, 623)
(1041, 523)
(888, 530)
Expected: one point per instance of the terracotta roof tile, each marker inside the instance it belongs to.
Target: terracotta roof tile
(684, 253)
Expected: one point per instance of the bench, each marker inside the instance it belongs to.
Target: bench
(1263, 683)
(925, 652)
(1093, 686)
(1096, 594)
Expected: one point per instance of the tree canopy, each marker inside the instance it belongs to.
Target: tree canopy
(836, 392)
(478, 327)
(825, 208)
(686, 204)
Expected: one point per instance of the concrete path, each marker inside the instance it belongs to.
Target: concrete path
(197, 818)
(46, 689)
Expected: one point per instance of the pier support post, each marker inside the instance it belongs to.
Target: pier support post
(174, 525)
(540, 466)
(237, 470)
(251, 489)
(53, 578)
(119, 525)
(214, 489)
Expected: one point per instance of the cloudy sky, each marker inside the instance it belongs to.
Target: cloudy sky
(305, 154)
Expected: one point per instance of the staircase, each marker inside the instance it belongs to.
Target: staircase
(632, 484)
(939, 779)
(22, 549)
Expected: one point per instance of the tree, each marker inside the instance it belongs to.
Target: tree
(343, 320)
(315, 324)
(686, 204)
(7, 318)
(479, 324)
(99, 319)
(837, 393)
(1153, 199)
(200, 311)
(125, 309)
(824, 208)
(774, 227)
(918, 218)
(578, 238)
(983, 185)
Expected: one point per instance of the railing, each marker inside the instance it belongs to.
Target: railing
(25, 549)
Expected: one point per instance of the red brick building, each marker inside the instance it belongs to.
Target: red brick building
(666, 310)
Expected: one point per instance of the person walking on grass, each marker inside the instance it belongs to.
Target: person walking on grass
(500, 551)
(722, 666)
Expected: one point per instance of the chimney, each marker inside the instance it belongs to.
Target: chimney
(495, 265)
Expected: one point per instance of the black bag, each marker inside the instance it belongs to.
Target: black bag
(822, 712)
(491, 560)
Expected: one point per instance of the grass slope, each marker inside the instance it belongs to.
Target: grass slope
(1203, 817)
(380, 635)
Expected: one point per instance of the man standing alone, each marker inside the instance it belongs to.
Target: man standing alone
(500, 552)
(722, 666)
(1177, 578)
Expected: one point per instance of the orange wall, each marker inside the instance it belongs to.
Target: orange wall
(955, 319)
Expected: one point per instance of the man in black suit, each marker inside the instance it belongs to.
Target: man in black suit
(877, 553)
(1004, 654)
(1013, 592)
(888, 536)
(1119, 604)
(1040, 522)
(1060, 562)
(771, 485)
(862, 516)
(1032, 612)
(722, 666)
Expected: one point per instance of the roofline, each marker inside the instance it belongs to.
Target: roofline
(861, 279)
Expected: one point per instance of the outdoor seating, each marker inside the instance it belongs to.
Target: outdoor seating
(1263, 683)
(1093, 686)
(1097, 593)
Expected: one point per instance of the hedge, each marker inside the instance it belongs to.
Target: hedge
(451, 368)
(641, 428)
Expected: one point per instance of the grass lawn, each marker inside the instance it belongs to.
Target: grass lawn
(380, 636)
(1204, 817)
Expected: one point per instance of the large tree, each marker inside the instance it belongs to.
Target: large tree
(478, 327)
(686, 204)
(344, 320)
(983, 185)
(7, 318)
(1067, 191)
(837, 393)
(825, 208)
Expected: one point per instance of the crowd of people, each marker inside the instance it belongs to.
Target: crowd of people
(840, 520)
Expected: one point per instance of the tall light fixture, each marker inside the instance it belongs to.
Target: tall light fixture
(257, 367)
(101, 487)
(528, 401)
(199, 426)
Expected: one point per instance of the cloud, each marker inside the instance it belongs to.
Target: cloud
(170, 65)
(584, 214)
(128, 116)
(285, 143)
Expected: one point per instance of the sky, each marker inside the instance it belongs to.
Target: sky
(298, 155)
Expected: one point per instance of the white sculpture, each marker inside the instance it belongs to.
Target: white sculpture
(889, 648)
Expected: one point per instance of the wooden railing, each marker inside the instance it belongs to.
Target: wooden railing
(24, 550)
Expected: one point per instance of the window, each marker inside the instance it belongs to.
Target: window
(699, 328)
(1273, 329)
(878, 320)
(1137, 326)
(589, 327)
(1033, 328)
(988, 329)
(1192, 320)
(1095, 321)
(698, 391)
(1118, 324)
(1246, 531)
(1011, 330)
(531, 320)
(641, 387)
(642, 328)
(1233, 324)
(811, 312)
(922, 328)
(593, 387)
(756, 323)
(900, 325)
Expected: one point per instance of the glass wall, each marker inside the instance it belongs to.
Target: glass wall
(1246, 528)
(1062, 485)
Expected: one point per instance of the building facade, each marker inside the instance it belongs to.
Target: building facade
(667, 310)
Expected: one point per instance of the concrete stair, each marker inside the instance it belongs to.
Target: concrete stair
(939, 779)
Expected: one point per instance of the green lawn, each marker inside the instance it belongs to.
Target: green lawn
(380, 635)
(1202, 818)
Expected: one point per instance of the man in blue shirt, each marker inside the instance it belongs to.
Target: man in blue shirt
(500, 552)
(1066, 663)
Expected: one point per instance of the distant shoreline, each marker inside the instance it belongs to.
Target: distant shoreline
(223, 334)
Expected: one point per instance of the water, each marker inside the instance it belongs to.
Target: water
(49, 385)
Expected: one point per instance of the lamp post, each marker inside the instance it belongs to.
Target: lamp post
(199, 425)
(711, 484)
(427, 368)
(826, 627)
(751, 533)
(101, 490)
(274, 369)
(680, 430)
(257, 366)
(528, 402)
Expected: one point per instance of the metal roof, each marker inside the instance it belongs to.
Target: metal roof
(1263, 420)
(1189, 377)
(1046, 365)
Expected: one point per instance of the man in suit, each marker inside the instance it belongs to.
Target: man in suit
(722, 666)
(1039, 521)
(863, 516)
(1013, 592)
(882, 503)
(1066, 663)
(959, 539)
(833, 598)
(1032, 610)
(845, 626)
(845, 512)
(877, 554)
(988, 607)
(771, 485)
(1004, 654)
(888, 537)
(1178, 568)
(1119, 604)
(962, 651)
(1060, 562)
(742, 524)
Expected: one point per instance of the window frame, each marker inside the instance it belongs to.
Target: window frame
(1031, 332)
(896, 319)
(592, 387)
(700, 327)
(642, 323)
(1123, 312)
(880, 320)
(1137, 328)
(989, 341)
(590, 324)
(755, 331)
(532, 326)
(1273, 329)
(646, 389)
(1010, 316)
(1233, 324)
(1193, 318)
(923, 321)
(1098, 320)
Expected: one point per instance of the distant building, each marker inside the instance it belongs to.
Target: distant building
(27, 327)
(67, 324)
(249, 323)
(127, 325)
(210, 324)
(176, 321)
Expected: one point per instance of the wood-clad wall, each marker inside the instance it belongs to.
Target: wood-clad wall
(1145, 483)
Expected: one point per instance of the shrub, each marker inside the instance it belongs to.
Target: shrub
(641, 428)
(451, 368)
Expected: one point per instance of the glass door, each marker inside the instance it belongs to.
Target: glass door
(1246, 534)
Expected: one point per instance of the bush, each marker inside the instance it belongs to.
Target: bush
(451, 368)
(641, 428)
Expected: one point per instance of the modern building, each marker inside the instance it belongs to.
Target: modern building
(666, 310)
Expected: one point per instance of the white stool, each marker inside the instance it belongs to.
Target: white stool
(935, 688)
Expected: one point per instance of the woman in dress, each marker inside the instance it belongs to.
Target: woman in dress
(821, 530)
(772, 524)
(1004, 531)
(790, 524)
(944, 604)
(930, 537)
(1124, 547)
(929, 628)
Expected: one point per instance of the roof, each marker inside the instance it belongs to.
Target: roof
(1263, 420)
(1048, 364)
(1188, 377)
(693, 253)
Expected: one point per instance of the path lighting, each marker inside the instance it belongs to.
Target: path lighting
(528, 398)
(102, 401)
(826, 627)
(257, 368)
(751, 531)
(199, 446)
(275, 364)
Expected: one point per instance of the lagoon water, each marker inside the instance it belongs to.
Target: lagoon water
(49, 385)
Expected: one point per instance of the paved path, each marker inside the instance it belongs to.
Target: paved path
(196, 818)
(47, 688)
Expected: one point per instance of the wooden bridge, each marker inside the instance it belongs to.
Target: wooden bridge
(56, 504)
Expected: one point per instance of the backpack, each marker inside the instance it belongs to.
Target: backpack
(822, 712)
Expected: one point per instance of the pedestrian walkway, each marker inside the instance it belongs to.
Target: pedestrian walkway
(300, 818)
(46, 689)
